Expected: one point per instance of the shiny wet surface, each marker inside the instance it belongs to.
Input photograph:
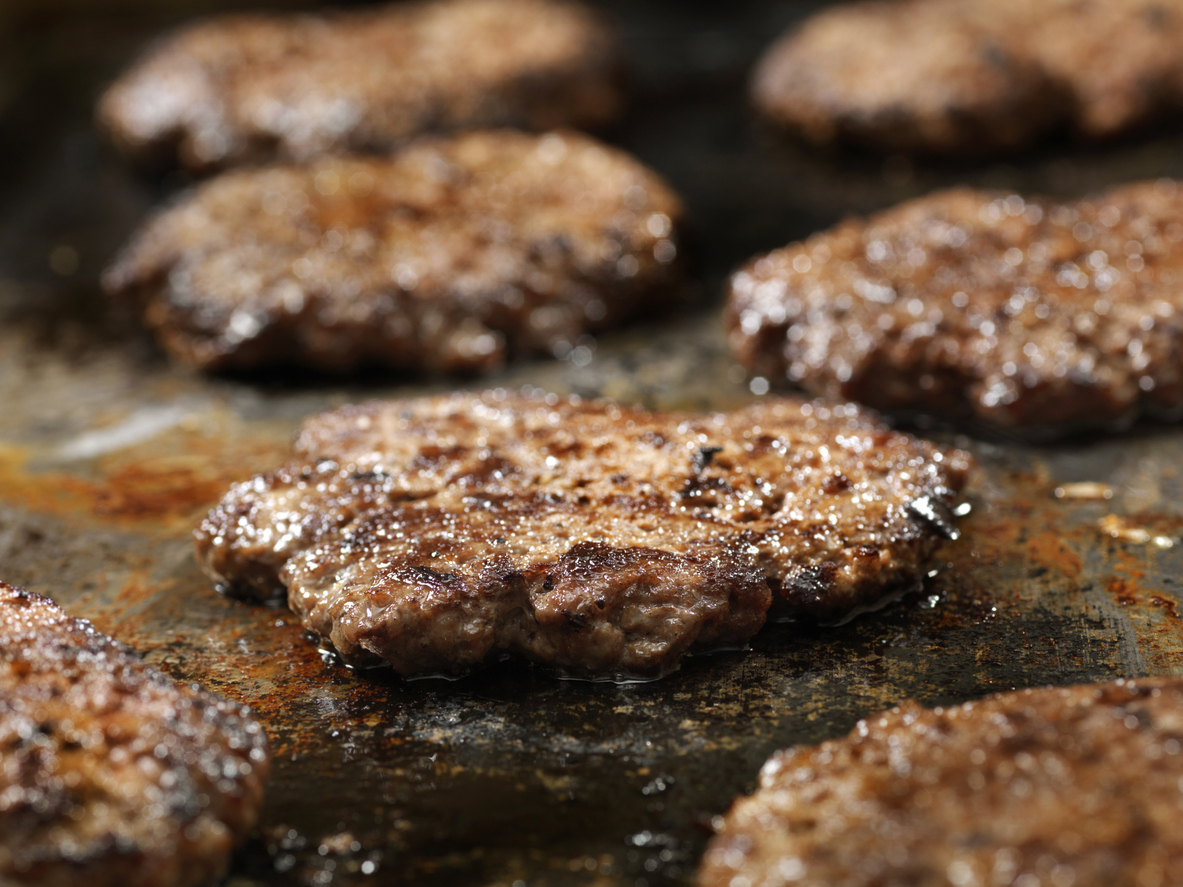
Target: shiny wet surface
(109, 456)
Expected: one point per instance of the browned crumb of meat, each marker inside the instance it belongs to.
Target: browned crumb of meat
(293, 87)
(110, 772)
(972, 76)
(451, 255)
(1076, 786)
(1022, 313)
(598, 538)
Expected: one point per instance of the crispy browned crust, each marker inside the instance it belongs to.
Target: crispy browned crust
(451, 255)
(972, 76)
(594, 537)
(1076, 785)
(294, 87)
(110, 772)
(1020, 313)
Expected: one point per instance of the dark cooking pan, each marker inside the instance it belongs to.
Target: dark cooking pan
(108, 456)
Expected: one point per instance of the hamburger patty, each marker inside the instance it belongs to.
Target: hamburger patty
(110, 772)
(293, 87)
(598, 538)
(973, 75)
(450, 255)
(1021, 313)
(1059, 786)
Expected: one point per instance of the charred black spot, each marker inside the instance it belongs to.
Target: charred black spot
(704, 457)
(936, 513)
(548, 584)
(575, 620)
(601, 603)
(811, 583)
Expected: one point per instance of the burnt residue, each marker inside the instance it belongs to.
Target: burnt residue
(936, 513)
(703, 457)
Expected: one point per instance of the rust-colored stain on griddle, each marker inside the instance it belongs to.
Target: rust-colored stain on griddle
(169, 481)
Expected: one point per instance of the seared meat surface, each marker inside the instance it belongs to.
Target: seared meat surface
(111, 773)
(972, 76)
(450, 255)
(1076, 785)
(294, 87)
(598, 538)
(1026, 313)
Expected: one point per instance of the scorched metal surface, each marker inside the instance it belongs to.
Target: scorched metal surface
(108, 456)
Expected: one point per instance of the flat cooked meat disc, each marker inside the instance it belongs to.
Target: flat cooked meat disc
(973, 76)
(450, 255)
(1018, 313)
(294, 87)
(1063, 785)
(598, 538)
(112, 773)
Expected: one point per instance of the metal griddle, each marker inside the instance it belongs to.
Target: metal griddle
(108, 456)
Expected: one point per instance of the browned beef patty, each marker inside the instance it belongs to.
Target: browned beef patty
(110, 772)
(450, 255)
(1072, 786)
(294, 87)
(598, 538)
(1022, 313)
(972, 76)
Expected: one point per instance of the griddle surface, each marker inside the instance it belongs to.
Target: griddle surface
(108, 456)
